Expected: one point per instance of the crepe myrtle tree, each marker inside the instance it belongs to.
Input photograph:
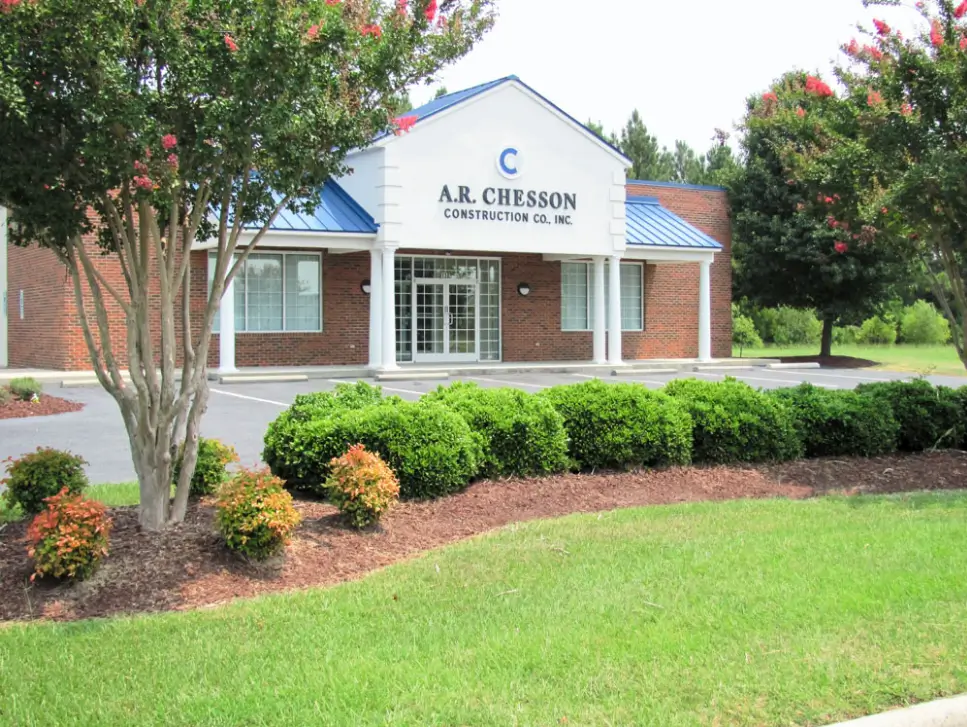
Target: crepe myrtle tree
(800, 211)
(147, 125)
(910, 97)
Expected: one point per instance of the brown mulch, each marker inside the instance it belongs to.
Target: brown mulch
(17, 409)
(188, 567)
(832, 362)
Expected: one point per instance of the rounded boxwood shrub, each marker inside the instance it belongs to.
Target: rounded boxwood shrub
(837, 423)
(211, 467)
(929, 416)
(736, 423)
(622, 425)
(26, 388)
(42, 474)
(522, 434)
(278, 453)
(255, 514)
(362, 486)
(431, 449)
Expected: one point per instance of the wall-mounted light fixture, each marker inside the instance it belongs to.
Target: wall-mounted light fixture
(524, 289)
(366, 287)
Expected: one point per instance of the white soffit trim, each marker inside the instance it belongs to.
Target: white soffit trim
(668, 255)
(304, 240)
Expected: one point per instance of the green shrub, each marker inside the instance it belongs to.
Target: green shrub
(6, 396)
(875, 330)
(69, 538)
(922, 323)
(255, 514)
(961, 395)
(362, 486)
(838, 423)
(736, 423)
(929, 417)
(42, 474)
(211, 468)
(845, 334)
(25, 388)
(432, 449)
(622, 425)
(744, 333)
(765, 322)
(522, 434)
(308, 407)
(794, 326)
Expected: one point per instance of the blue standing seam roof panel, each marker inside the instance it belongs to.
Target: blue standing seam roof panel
(337, 213)
(648, 223)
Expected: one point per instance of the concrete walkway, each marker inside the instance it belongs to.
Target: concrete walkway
(942, 713)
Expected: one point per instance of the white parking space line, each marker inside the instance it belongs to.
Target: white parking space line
(505, 383)
(249, 398)
(743, 377)
(848, 376)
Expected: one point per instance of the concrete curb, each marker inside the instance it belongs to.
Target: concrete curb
(229, 379)
(642, 372)
(942, 713)
(793, 366)
(723, 368)
(417, 376)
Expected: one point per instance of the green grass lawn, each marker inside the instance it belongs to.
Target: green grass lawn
(744, 613)
(915, 359)
(113, 495)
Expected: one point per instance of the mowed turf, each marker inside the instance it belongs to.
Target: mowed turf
(744, 613)
(940, 360)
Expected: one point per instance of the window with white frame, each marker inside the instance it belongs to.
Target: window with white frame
(577, 296)
(279, 292)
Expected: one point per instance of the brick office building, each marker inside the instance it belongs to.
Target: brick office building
(497, 229)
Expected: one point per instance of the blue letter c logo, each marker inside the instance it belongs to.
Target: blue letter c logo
(507, 163)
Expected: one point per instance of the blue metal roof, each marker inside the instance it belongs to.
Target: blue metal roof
(337, 212)
(648, 223)
(452, 99)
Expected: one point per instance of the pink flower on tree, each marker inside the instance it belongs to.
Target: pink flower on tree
(801, 112)
(874, 98)
(143, 182)
(172, 161)
(313, 32)
(402, 6)
(817, 87)
(936, 34)
(169, 142)
(853, 48)
(230, 43)
(140, 167)
(373, 30)
(841, 247)
(875, 53)
(333, 2)
(961, 10)
(828, 200)
(430, 11)
(403, 124)
(770, 96)
(7, 5)
(881, 27)
(906, 109)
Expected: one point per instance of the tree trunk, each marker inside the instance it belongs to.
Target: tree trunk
(826, 343)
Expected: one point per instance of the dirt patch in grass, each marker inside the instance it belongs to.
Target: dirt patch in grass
(188, 567)
(47, 405)
(832, 362)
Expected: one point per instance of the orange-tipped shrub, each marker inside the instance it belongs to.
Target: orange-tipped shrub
(70, 537)
(362, 485)
(255, 514)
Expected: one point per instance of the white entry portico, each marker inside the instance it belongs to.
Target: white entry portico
(484, 174)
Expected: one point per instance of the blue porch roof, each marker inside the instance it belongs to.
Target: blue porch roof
(648, 223)
(337, 213)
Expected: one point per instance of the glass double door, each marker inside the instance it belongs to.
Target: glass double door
(445, 320)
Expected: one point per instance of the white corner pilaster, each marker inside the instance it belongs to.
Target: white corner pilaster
(705, 311)
(600, 324)
(226, 331)
(388, 323)
(614, 311)
(375, 308)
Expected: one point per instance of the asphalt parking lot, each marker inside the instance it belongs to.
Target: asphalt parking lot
(239, 414)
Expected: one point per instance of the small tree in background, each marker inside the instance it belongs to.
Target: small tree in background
(156, 123)
(798, 210)
(909, 96)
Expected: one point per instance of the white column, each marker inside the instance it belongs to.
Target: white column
(388, 322)
(226, 331)
(705, 312)
(614, 312)
(600, 324)
(375, 308)
(3, 287)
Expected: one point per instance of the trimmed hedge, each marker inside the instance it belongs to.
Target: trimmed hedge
(929, 416)
(38, 475)
(838, 423)
(622, 425)
(522, 434)
(431, 449)
(278, 454)
(736, 423)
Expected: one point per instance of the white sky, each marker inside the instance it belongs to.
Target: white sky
(687, 66)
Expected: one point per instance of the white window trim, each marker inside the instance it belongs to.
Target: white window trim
(589, 271)
(284, 254)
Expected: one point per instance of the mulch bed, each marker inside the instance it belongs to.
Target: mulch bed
(833, 362)
(18, 409)
(188, 567)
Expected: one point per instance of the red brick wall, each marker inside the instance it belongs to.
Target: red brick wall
(50, 337)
